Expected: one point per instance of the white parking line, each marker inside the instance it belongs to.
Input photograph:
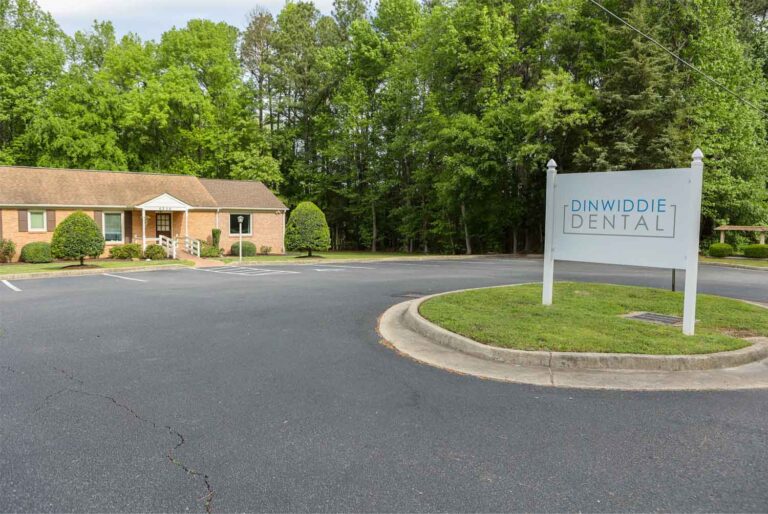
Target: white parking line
(11, 286)
(345, 266)
(124, 278)
(329, 269)
(245, 271)
(412, 264)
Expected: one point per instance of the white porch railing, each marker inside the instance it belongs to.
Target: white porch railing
(169, 245)
(191, 245)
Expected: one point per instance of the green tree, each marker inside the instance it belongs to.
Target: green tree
(307, 229)
(731, 134)
(77, 237)
(32, 58)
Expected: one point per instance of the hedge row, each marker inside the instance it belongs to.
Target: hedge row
(751, 251)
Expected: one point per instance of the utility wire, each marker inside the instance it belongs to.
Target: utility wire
(686, 63)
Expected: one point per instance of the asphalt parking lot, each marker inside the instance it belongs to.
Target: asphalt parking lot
(265, 388)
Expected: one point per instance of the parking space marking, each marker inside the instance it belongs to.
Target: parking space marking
(11, 286)
(344, 267)
(329, 269)
(124, 278)
(412, 264)
(246, 271)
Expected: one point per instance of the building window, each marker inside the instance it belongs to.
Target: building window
(234, 225)
(113, 227)
(37, 221)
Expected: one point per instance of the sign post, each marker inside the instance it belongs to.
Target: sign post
(637, 218)
(549, 229)
(692, 258)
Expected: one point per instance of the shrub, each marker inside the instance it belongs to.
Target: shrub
(129, 251)
(36, 253)
(215, 237)
(7, 250)
(77, 237)
(265, 250)
(155, 252)
(307, 229)
(720, 250)
(249, 249)
(207, 250)
(756, 251)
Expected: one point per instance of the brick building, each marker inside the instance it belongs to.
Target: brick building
(145, 208)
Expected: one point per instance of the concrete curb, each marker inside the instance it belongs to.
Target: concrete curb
(83, 272)
(595, 361)
(735, 266)
(407, 343)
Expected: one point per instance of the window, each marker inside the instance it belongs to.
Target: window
(37, 221)
(234, 225)
(113, 227)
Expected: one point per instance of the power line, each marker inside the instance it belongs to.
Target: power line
(686, 63)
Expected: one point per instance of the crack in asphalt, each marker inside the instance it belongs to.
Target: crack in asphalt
(207, 498)
(69, 375)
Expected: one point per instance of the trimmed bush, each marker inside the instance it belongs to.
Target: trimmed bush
(7, 250)
(128, 251)
(209, 251)
(265, 250)
(720, 250)
(155, 252)
(249, 249)
(215, 237)
(756, 251)
(307, 229)
(36, 253)
(77, 237)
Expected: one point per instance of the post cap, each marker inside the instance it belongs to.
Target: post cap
(698, 154)
(551, 164)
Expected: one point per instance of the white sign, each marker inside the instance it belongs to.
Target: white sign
(637, 218)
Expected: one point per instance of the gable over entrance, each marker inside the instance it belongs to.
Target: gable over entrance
(164, 202)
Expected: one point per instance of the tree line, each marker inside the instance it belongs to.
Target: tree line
(419, 126)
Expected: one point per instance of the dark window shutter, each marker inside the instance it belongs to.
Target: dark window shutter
(128, 226)
(1, 223)
(51, 220)
(23, 223)
(98, 219)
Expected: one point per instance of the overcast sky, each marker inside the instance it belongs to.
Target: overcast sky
(150, 18)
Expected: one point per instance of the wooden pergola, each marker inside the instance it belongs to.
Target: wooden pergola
(742, 228)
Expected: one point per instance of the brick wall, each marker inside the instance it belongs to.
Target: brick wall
(10, 224)
(266, 229)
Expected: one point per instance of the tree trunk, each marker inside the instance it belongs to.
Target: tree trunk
(261, 101)
(82, 261)
(514, 241)
(467, 242)
(310, 252)
(374, 228)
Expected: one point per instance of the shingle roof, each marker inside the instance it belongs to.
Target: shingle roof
(85, 188)
(241, 193)
(744, 228)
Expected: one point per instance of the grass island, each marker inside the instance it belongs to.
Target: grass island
(589, 317)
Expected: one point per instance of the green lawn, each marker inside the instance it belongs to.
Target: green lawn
(587, 318)
(319, 256)
(18, 268)
(754, 263)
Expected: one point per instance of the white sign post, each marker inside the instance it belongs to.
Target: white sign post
(637, 218)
